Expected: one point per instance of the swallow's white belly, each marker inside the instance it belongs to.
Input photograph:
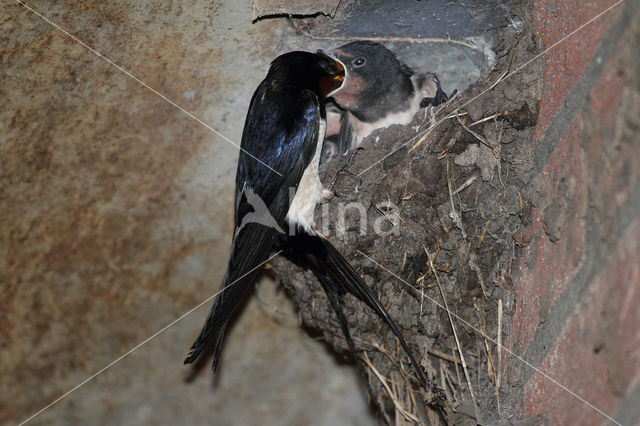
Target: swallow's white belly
(310, 190)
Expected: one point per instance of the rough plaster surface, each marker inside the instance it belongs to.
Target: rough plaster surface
(115, 217)
(262, 8)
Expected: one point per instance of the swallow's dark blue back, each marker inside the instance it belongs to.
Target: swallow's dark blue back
(281, 130)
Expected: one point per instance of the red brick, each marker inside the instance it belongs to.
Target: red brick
(565, 62)
(539, 286)
(596, 355)
(614, 163)
(605, 100)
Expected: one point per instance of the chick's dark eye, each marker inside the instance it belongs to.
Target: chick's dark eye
(358, 62)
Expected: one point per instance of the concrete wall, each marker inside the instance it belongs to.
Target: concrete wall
(116, 218)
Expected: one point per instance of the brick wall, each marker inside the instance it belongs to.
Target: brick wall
(577, 316)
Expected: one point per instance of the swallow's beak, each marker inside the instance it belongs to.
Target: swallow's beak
(337, 74)
(332, 59)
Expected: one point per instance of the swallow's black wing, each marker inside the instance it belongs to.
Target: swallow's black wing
(281, 130)
(337, 276)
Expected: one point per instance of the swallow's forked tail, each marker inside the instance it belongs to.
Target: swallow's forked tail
(250, 249)
(337, 276)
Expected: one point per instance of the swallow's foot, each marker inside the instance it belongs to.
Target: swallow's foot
(327, 194)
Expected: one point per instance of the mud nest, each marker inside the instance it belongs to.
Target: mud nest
(446, 219)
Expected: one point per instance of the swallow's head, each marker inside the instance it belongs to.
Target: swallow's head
(318, 72)
(334, 73)
(373, 76)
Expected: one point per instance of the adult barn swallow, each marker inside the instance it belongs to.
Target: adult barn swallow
(284, 129)
(378, 91)
(284, 125)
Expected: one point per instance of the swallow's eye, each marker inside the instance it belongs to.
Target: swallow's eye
(358, 62)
